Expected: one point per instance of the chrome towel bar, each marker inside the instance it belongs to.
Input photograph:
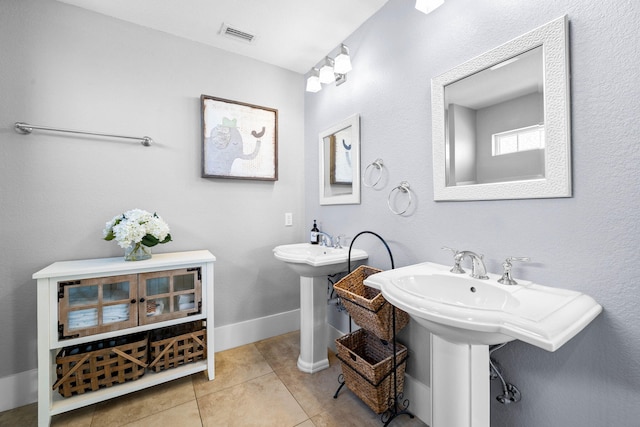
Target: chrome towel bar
(25, 128)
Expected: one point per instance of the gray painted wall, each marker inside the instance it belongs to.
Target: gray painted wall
(66, 67)
(587, 242)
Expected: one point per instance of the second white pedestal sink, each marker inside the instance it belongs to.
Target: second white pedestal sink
(466, 315)
(313, 263)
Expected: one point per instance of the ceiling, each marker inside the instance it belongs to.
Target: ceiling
(292, 34)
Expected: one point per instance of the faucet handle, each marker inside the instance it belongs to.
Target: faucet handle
(457, 259)
(517, 258)
(506, 278)
(338, 242)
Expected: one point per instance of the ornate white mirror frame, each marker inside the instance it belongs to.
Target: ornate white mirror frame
(553, 37)
(340, 163)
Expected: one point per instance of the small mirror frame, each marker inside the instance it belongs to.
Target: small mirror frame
(553, 37)
(342, 199)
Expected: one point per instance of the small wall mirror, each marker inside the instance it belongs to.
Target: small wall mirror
(501, 121)
(340, 163)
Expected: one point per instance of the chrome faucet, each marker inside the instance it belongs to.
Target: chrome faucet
(324, 237)
(478, 270)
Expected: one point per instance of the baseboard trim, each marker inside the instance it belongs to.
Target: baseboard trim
(23, 388)
(249, 331)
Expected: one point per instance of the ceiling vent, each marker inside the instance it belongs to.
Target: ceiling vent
(237, 34)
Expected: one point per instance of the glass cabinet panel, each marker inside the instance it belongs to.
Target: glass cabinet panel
(170, 294)
(83, 295)
(96, 305)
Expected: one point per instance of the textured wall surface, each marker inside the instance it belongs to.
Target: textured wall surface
(587, 242)
(66, 67)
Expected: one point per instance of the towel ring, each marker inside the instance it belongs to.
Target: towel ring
(403, 188)
(377, 165)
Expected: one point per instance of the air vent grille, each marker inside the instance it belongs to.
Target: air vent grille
(237, 34)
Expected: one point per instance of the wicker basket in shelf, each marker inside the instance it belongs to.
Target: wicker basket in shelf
(91, 366)
(366, 305)
(367, 367)
(177, 345)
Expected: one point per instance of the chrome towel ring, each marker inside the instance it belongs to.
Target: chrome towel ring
(370, 173)
(403, 188)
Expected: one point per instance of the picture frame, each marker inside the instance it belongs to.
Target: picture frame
(239, 140)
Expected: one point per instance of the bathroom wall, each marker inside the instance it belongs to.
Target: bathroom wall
(587, 242)
(66, 67)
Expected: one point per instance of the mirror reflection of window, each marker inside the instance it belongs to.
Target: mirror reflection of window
(518, 140)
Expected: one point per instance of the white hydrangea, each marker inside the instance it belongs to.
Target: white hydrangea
(135, 225)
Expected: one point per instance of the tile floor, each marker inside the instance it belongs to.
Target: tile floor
(257, 384)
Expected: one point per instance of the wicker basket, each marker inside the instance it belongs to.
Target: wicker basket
(90, 366)
(367, 367)
(177, 345)
(366, 305)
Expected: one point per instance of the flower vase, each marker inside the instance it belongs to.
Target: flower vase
(137, 252)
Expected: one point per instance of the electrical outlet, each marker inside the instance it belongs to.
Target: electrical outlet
(288, 219)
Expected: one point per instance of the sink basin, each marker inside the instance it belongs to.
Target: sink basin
(315, 260)
(465, 310)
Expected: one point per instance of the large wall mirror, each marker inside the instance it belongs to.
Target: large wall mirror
(340, 163)
(501, 127)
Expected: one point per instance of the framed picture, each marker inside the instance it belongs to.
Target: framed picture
(239, 140)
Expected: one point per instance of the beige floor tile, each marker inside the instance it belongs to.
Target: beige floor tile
(77, 418)
(307, 423)
(281, 351)
(141, 404)
(233, 367)
(314, 392)
(263, 401)
(185, 415)
(23, 416)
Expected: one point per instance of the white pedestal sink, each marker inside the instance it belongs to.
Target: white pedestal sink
(465, 316)
(313, 263)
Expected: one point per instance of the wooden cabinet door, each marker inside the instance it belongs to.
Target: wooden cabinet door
(97, 305)
(167, 295)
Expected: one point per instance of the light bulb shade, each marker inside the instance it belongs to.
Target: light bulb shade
(342, 63)
(313, 84)
(326, 72)
(428, 6)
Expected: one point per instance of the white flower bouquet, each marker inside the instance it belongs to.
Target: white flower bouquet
(136, 229)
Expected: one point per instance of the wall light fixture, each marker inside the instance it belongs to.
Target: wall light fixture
(326, 72)
(428, 6)
(342, 63)
(330, 71)
(313, 81)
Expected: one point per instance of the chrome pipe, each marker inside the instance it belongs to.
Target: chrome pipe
(26, 129)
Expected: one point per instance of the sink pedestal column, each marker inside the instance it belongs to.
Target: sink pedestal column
(313, 324)
(459, 384)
